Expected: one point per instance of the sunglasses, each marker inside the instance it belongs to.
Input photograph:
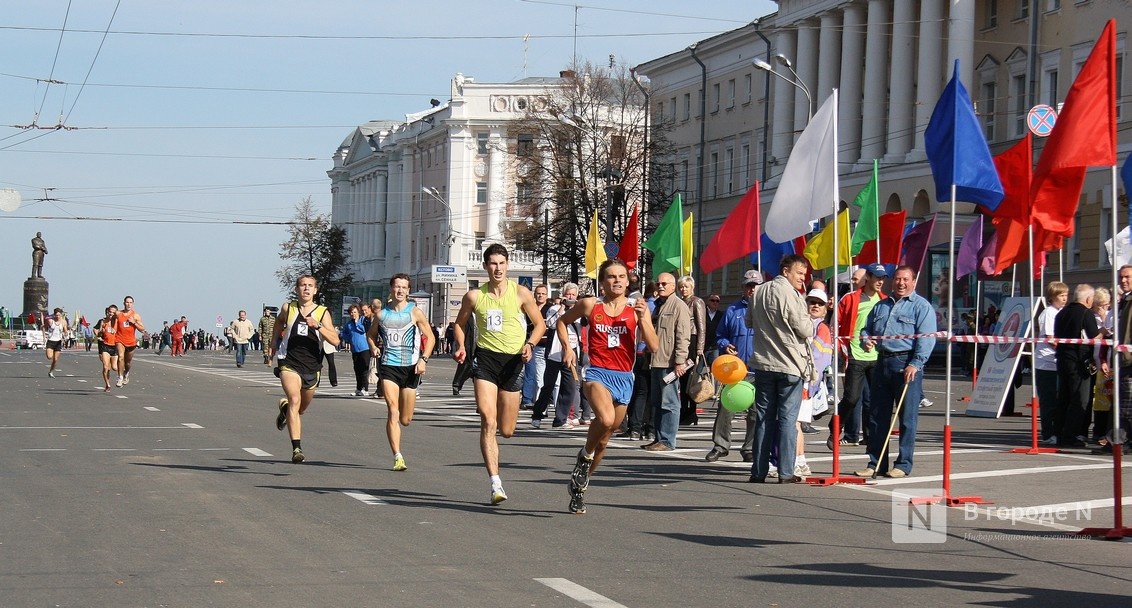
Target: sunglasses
(713, 300)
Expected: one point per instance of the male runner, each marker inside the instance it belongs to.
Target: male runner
(614, 321)
(502, 349)
(400, 324)
(57, 331)
(300, 329)
(106, 329)
(129, 322)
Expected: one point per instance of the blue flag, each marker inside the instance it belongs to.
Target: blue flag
(958, 152)
(1126, 177)
(772, 253)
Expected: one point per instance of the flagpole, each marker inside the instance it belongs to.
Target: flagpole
(876, 196)
(950, 324)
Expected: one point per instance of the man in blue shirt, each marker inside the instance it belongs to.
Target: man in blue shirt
(900, 362)
(733, 337)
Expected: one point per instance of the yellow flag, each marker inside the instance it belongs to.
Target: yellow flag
(595, 252)
(686, 247)
(819, 251)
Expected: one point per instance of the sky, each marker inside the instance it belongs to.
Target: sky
(191, 130)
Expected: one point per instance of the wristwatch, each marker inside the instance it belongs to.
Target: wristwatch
(425, 359)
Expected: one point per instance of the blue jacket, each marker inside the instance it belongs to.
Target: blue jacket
(354, 333)
(904, 317)
(733, 330)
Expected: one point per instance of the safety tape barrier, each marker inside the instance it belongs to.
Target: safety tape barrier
(981, 339)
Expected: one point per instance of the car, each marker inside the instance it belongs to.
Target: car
(30, 338)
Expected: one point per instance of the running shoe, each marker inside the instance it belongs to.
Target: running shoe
(802, 470)
(580, 476)
(107, 389)
(297, 455)
(399, 464)
(118, 382)
(577, 504)
(536, 423)
(126, 378)
(50, 373)
(281, 419)
(924, 402)
(497, 493)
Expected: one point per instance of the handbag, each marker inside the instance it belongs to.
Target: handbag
(702, 386)
(371, 379)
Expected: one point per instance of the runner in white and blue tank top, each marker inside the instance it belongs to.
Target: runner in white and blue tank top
(399, 334)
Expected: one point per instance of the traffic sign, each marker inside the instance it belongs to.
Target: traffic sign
(449, 274)
(1041, 119)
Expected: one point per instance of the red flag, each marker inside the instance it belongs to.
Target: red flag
(1084, 136)
(1012, 219)
(83, 321)
(738, 236)
(630, 248)
(916, 244)
(891, 240)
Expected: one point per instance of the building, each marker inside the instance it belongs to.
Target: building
(733, 122)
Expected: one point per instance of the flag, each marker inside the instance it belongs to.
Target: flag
(868, 223)
(1012, 218)
(595, 252)
(967, 260)
(770, 254)
(819, 251)
(1084, 136)
(83, 321)
(687, 247)
(629, 250)
(665, 242)
(808, 190)
(957, 150)
(1126, 178)
(1123, 245)
(891, 239)
(987, 258)
(738, 236)
(916, 244)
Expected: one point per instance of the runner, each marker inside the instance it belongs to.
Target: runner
(56, 331)
(501, 353)
(129, 322)
(612, 333)
(300, 329)
(106, 330)
(400, 324)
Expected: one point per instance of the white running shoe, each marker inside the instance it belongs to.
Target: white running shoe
(118, 382)
(126, 378)
(802, 470)
(924, 402)
(497, 493)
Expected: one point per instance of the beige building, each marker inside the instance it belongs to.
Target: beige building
(734, 123)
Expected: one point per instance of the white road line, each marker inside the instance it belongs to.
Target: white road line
(80, 380)
(113, 450)
(363, 497)
(578, 592)
(43, 449)
(213, 449)
(75, 428)
(151, 408)
(256, 452)
(172, 449)
(191, 425)
(999, 473)
(121, 396)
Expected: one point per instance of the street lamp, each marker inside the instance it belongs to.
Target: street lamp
(797, 82)
(435, 195)
(610, 175)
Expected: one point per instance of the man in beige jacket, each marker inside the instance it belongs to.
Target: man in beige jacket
(673, 321)
(241, 331)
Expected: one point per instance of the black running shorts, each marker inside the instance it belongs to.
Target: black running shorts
(504, 371)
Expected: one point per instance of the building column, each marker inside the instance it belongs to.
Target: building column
(961, 39)
(929, 72)
(829, 68)
(849, 101)
(806, 62)
(901, 82)
(495, 184)
(875, 99)
(781, 134)
(380, 203)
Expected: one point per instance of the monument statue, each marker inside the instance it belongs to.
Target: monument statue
(38, 250)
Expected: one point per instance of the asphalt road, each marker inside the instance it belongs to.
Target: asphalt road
(177, 490)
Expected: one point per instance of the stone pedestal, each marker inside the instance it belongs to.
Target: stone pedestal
(35, 297)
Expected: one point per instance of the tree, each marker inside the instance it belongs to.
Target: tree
(316, 247)
(583, 140)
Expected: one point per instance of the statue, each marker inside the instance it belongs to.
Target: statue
(38, 250)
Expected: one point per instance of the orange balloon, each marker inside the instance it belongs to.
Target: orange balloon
(728, 369)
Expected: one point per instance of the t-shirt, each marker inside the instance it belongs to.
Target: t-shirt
(1046, 359)
(863, 309)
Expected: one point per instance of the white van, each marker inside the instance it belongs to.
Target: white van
(30, 338)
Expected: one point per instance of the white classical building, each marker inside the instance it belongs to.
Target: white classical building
(435, 189)
(734, 123)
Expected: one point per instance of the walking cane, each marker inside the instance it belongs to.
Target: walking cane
(892, 425)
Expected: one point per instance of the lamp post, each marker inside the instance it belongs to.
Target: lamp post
(611, 176)
(435, 195)
(797, 82)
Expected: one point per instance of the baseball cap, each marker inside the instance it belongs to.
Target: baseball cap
(753, 277)
(818, 294)
(877, 270)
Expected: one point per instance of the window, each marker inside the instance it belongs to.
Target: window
(659, 113)
(1050, 97)
(713, 175)
(687, 106)
(684, 175)
(1053, 5)
(1023, 8)
(1073, 243)
(481, 143)
(525, 205)
(480, 238)
(990, 18)
(1105, 229)
(987, 109)
(745, 166)
(525, 145)
(1119, 80)
(616, 147)
(672, 109)
(1019, 86)
(715, 97)
(481, 193)
(749, 85)
(729, 170)
(730, 93)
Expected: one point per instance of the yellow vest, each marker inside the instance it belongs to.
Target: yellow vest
(500, 325)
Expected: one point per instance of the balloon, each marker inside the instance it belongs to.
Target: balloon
(738, 397)
(728, 369)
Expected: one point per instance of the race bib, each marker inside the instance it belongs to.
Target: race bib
(302, 328)
(613, 340)
(493, 319)
(395, 338)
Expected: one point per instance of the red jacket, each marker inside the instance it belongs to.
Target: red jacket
(847, 317)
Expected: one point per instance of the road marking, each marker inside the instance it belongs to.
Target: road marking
(580, 593)
(68, 428)
(363, 497)
(256, 452)
(43, 449)
(999, 473)
(191, 425)
(68, 375)
(151, 408)
(172, 449)
(213, 449)
(114, 450)
(121, 396)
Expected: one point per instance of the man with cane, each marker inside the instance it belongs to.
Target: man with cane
(897, 327)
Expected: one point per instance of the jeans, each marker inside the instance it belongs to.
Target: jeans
(1045, 384)
(854, 399)
(567, 393)
(778, 397)
(639, 416)
(241, 352)
(887, 385)
(532, 376)
(666, 411)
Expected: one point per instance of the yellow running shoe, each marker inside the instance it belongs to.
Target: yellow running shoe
(399, 464)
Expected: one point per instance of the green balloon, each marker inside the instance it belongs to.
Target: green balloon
(738, 397)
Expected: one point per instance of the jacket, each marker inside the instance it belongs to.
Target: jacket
(699, 325)
(781, 327)
(673, 322)
(847, 309)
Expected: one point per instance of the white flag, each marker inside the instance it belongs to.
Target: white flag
(809, 189)
(1123, 248)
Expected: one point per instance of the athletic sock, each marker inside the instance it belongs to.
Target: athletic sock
(398, 455)
(495, 479)
(590, 455)
(296, 443)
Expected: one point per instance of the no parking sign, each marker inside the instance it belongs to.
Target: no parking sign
(1041, 119)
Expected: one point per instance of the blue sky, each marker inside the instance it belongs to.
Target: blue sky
(199, 121)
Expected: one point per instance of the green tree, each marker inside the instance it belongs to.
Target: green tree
(316, 247)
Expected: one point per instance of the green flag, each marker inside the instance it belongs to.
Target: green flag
(666, 241)
(868, 224)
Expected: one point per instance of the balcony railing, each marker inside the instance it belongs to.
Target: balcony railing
(526, 258)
